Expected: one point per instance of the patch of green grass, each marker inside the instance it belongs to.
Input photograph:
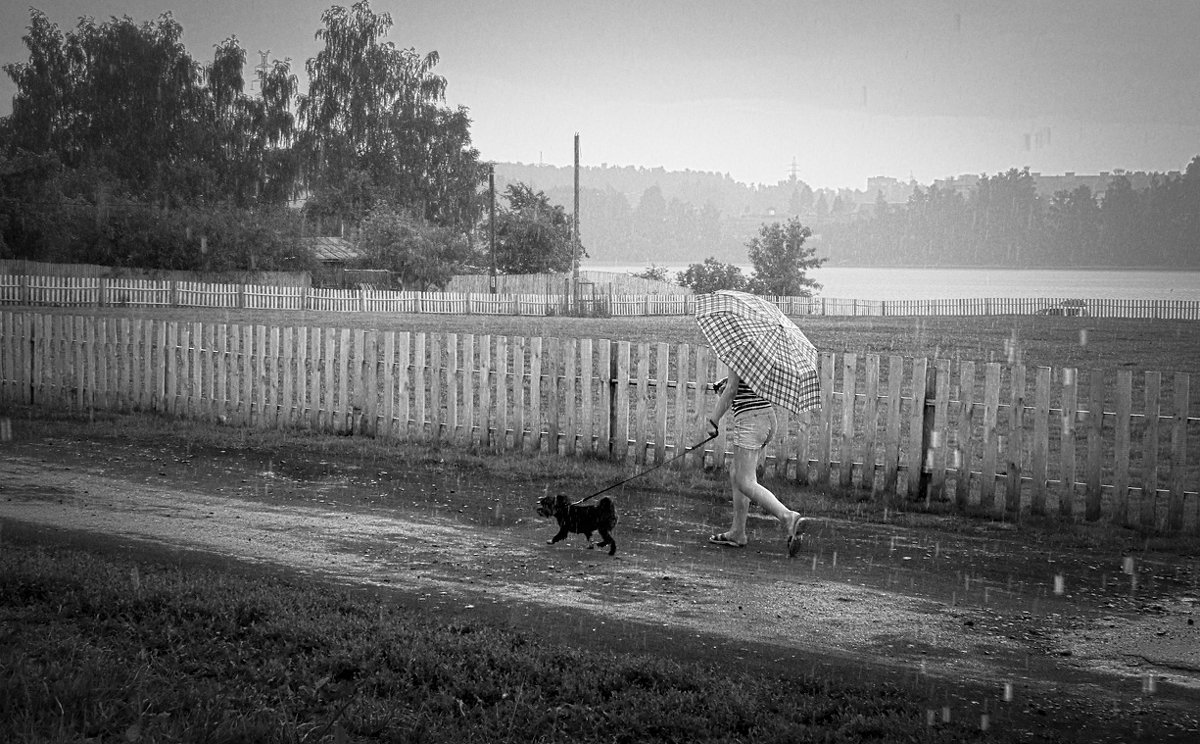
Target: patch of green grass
(98, 646)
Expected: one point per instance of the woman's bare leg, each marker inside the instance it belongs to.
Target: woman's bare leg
(744, 477)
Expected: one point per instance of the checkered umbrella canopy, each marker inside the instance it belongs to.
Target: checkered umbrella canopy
(762, 346)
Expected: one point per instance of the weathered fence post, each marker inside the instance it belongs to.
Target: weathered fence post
(928, 433)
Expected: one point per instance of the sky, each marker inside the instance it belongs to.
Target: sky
(832, 91)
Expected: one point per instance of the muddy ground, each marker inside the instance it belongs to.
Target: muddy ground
(1009, 626)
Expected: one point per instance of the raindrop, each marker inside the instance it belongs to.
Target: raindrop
(1060, 584)
(1083, 337)
(1008, 692)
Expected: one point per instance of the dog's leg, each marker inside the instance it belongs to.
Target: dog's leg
(588, 535)
(562, 532)
(609, 541)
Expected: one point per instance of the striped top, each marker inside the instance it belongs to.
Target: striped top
(745, 399)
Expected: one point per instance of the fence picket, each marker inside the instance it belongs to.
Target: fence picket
(1150, 414)
(891, 453)
(370, 367)
(941, 415)
(453, 387)
(704, 410)
(420, 372)
(991, 436)
(1121, 439)
(434, 402)
(1070, 411)
(1015, 449)
(661, 396)
(502, 394)
(917, 455)
(849, 387)
(963, 456)
(405, 382)
(1095, 431)
(570, 405)
(520, 399)
(1041, 439)
(641, 400)
(620, 381)
(870, 424)
(827, 372)
(551, 371)
(683, 359)
(587, 387)
(1179, 450)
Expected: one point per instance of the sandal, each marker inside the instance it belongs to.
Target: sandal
(723, 538)
(796, 535)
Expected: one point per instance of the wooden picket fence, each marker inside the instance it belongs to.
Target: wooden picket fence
(68, 291)
(992, 438)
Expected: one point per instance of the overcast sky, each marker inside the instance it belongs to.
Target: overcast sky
(845, 89)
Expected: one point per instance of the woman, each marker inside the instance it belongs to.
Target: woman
(753, 426)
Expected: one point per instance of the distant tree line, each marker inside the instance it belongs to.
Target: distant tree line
(1003, 221)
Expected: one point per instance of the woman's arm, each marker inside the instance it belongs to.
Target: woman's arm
(723, 402)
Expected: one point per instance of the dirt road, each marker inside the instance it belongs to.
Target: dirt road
(978, 616)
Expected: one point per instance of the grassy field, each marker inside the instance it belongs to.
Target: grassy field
(100, 647)
(1083, 343)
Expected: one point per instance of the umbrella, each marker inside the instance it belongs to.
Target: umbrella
(763, 346)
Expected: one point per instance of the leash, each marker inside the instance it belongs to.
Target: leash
(651, 470)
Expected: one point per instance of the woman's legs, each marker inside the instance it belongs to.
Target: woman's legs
(743, 477)
(750, 437)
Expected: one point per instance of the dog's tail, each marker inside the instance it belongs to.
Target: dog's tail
(605, 505)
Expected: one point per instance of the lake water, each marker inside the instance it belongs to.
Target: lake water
(859, 283)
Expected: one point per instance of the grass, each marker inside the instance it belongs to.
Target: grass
(97, 646)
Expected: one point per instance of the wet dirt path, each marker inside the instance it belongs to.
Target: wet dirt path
(983, 622)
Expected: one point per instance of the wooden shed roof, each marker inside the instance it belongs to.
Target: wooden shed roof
(331, 249)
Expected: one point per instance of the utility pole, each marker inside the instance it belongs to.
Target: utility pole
(492, 222)
(575, 242)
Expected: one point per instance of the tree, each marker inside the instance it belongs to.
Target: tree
(1072, 227)
(781, 260)
(707, 277)
(533, 236)
(374, 128)
(654, 273)
(118, 97)
(419, 254)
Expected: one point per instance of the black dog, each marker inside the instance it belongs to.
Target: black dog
(581, 518)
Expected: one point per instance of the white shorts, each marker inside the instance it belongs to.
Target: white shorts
(753, 429)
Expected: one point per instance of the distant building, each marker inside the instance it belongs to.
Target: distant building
(334, 255)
